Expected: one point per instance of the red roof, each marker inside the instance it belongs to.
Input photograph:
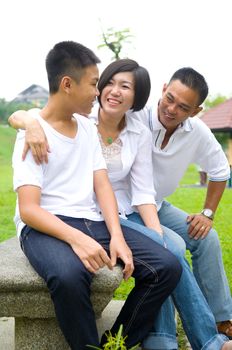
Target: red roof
(219, 117)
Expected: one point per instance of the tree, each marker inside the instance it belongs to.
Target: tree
(214, 101)
(7, 108)
(114, 40)
(222, 137)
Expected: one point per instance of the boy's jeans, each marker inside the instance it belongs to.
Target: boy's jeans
(156, 273)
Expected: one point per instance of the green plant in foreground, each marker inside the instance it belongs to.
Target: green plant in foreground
(116, 342)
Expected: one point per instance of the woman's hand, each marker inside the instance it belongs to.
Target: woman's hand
(35, 139)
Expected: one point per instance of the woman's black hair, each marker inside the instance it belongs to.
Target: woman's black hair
(142, 83)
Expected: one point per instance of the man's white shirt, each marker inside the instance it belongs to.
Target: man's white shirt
(192, 142)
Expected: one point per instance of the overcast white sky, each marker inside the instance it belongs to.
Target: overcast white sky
(168, 34)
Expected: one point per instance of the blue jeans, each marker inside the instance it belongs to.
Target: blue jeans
(156, 274)
(207, 262)
(197, 318)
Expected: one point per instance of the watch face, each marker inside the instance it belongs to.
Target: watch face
(208, 212)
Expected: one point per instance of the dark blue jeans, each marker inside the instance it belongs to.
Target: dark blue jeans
(156, 274)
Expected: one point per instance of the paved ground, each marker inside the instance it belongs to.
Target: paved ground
(6, 333)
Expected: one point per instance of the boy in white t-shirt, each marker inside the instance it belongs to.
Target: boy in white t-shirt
(61, 232)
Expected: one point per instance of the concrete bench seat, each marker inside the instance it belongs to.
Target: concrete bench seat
(24, 296)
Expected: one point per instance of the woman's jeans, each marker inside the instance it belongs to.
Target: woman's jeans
(197, 318)
(156, 274)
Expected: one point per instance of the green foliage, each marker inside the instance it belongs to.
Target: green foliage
(223, 138)
(7, 108)
(7, 195)
(114, 40)
(116, 342)
(122, 292)
(211, 102)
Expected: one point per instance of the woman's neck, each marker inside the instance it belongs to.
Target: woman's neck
(110, 123)
(109, 127)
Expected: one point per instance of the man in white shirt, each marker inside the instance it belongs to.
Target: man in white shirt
(60, 229)
(179, 139)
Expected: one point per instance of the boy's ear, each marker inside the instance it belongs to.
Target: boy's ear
(66, 83)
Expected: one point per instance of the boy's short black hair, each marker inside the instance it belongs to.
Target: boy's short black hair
(141, 79)
(68, 58)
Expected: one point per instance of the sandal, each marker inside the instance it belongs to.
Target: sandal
(225, 327)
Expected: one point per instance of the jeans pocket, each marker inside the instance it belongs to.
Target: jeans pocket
(24, 236)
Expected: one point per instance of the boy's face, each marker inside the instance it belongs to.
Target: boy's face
(85, 91)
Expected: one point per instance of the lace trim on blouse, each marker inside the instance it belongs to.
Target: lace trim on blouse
(112, 154)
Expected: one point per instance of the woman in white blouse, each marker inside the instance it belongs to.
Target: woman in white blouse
(126, 144)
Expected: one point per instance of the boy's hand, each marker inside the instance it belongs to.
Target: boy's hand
(119, 249)
(91, 253)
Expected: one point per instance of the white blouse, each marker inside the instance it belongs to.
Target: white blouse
(132, 182)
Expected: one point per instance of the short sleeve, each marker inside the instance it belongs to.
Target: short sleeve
(26, 172)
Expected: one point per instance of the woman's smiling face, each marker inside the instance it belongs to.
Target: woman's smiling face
(118, 95)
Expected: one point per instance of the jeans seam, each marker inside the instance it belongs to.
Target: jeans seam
(136, 310)
(154, 272)
(88, 225)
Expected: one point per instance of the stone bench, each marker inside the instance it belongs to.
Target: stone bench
(24, 296)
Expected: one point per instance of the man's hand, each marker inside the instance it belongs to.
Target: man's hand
(35, 139)
(91, 253)
(199, 226)
(120, 249)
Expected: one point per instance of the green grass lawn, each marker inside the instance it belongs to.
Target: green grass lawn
(7, 196)
(187, 197)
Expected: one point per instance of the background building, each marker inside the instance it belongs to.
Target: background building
(34, 94)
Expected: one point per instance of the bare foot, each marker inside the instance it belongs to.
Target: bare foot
(227, 345)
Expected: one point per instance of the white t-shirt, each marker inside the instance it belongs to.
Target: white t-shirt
(66, 182)
(192, 142)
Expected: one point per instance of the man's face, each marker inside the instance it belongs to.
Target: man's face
(85, 91)
(178, 102)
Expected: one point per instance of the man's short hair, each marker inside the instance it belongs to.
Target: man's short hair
(194, 80)
(68, 58)
(141, 80)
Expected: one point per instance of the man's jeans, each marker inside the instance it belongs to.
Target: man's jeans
(156, 274)
(207, 262)
(196, 316)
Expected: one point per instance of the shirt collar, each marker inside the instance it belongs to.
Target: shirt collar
(131, 123)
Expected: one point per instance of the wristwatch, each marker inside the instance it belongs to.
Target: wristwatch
(208, 213)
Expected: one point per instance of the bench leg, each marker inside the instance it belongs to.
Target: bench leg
(45, 334)
(38, 334)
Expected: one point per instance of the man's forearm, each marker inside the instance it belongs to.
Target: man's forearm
(19, 119)
(214, 193)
